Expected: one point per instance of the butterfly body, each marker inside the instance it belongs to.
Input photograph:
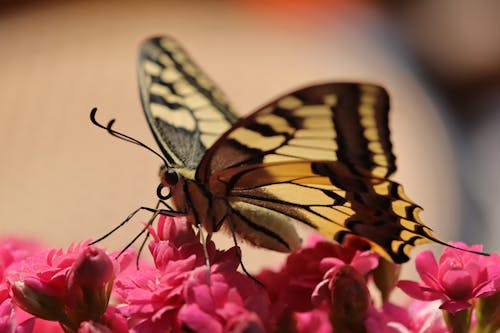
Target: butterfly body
(320, 155)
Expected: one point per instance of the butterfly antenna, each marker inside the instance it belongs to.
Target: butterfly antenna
(123, 136)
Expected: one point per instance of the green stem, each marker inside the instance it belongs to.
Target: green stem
(458, 322)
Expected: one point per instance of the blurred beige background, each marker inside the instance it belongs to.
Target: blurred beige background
(63, 180)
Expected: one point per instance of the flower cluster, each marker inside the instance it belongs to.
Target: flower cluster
(194, 287)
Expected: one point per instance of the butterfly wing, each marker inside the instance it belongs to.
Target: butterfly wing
(346, 122)
(187, 113)
(320, 155)
(325, 195)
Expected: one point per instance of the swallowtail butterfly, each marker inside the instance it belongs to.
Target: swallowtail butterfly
(320, 155)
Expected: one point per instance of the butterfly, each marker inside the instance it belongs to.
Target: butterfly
(320, 155)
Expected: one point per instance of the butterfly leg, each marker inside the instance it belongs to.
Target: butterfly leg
(131, 215)
(240, 258)
(205, 251)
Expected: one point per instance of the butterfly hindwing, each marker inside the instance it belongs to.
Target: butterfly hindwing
(184, 108)
(328, 197)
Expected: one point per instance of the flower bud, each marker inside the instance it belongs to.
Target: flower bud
(350, 297)
(88, 286)
(458, 321)
(345, 291)
(92, 268)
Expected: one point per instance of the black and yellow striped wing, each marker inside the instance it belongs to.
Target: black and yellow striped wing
(345, 122)
(187, 113)
(321, 155)
(327, 196)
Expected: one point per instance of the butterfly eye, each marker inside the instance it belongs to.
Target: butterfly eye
(171, 177)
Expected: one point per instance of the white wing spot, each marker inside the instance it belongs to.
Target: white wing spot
(330, 99)
(254, 139)
(277, 123)
(196, 100)
(308, 153)
(170, 75)
(169, 44)
(180, 118)
(313, 110)
(151, 68)
(289, 103)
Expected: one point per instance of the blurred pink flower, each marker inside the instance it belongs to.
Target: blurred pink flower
(314, 321)
(8, 320)
(293, 285)
(427, 318)
(459, 278)
(347, 294)
(13, 250)
(114, 323)
(7, 317)
(417, 317)
(92, 327)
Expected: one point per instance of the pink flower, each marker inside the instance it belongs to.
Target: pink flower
(346, 292)
(460, 278)
(293, 286)
(160, 297)
(92, 327)
(417, 317)
(8, 322)
(175, 240)
(13, 250)
(152, 297)
(68, 287)
(7, 317)
(427, 317)
(488, 308)
(231, 302)
(314, 321)
(114, 323)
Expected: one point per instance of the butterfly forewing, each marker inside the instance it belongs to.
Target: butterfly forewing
(185, 110)
(345, 122)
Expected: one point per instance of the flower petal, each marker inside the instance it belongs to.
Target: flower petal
(427, 268)
(417, 291)
(197, 320)
(455, 306)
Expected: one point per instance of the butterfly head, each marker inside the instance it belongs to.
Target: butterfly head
(169, 177)
(172, 178)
